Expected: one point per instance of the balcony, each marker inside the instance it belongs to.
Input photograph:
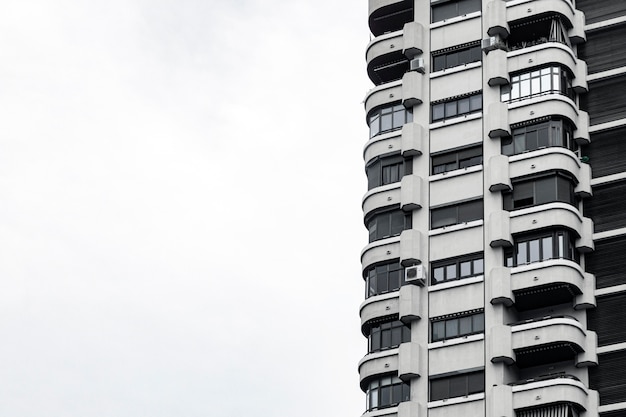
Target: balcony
(389, 15)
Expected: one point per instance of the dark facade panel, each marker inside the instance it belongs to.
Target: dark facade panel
(608, 262)
(601, 101)
(606, 207)
(604, 49)
(606, 152)
(609, 377)
(607, 320)
(597, 11)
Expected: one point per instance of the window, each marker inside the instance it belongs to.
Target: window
(461, 55)
(550, 80)
(456, 214)
(387, 169)
(457, 385)
(387, 119)
(449, 9)
(458, 268)
(555, 186)
(387, 224)
(539, 135)
(383, 278)
(461, 325)
(560, 244)
(555, 410)
(386, 392)
(462, 158)
(449, 108)
(388, 335)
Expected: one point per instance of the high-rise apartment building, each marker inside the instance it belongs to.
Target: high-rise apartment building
(495, 273)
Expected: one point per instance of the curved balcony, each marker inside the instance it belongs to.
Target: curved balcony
(545, 159)
(381, 197)
(551, 215)
(410, 140)
(543, 106)
(382, 95)
(380, 251)
(518, 11)
(379, 306)
(546, 340)
(378, 363)
(546, 283)
(385, 60)
(542, 54)
(389, 15)
(548, 390)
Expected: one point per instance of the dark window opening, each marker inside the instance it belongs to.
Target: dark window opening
(560, 244)
(458, 326)
(459, 159)
(457, 385)
(386, 392)
(387, 169)
(460, 56)
(458, 268)
(537, 31)
(388, 335)
(456, 214)
(387, 224)
(553, 187)
(387, 119)
(383, 278)
(539, 135)
(450, 108)
(449, 9)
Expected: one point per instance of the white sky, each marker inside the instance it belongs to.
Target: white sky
(180, 224)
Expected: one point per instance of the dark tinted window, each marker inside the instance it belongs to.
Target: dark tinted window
(456, 214)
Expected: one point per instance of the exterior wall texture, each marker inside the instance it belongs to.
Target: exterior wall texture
(493, 274)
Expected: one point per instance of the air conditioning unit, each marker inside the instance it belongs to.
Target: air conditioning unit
(492, 43)
(415, 275)
(417, 64)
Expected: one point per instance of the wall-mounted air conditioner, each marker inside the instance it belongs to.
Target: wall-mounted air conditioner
(415, 274)
(417, 64)
(492, 43)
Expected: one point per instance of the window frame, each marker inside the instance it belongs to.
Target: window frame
(389, 216)
(458, 159)
(375, 273)
(376, 389)
(561, 245)
(551, 79)
(459, 216)
(398, 116)
(437, 7)
(446, 266)
(473, 49)
(375, 169)
(456, 107)
(384, 335)
(559, 180)
(466, 378)
(559, 133)
(456, 322)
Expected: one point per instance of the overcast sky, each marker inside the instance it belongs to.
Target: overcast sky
(180, 224)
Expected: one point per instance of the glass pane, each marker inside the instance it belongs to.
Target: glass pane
(443, 217)
(438, 111)
(452, 60)
(465, 325)
(478, 266)
(373, 399)
(545, 191)
(531, 140)
(439, 62)
(464, 56)
(533, 250)
(564, 190)
(535, 86)
(522, 256)
(523, 195)
(451, 109)
(397, 223)
(396, 394)
(476, 102)
(519, 142)
(471, 211)
(396, 336)
(439, 330)
(398, 119)
(385, 396)
(394, 280)
(546, 248)
(561, 246)
(385, 338)
(476, 382)
(475, 54)
(466, 269)
(452, 328)
(464, 106)
(458, 386)
(383, 284)
(543, 139)
(375, 341)
(478, 322)
(386, 122)
(439, 389)
(507, 146)
(383, 224)
(438, 275)
(451, 272)
(524, 88)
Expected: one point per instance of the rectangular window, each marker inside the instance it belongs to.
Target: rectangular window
(444, 10)
(387, 169)
(386, 392)
(449, 108)
(456, 214)
(387, 224)
(457, 385)
(538, 135)
(458, 56)
(387, 119)
(559, 244)
(458, 159)
(383, 278)
(460, 325)
(457, 268)
(549, 80)
(548, 188)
